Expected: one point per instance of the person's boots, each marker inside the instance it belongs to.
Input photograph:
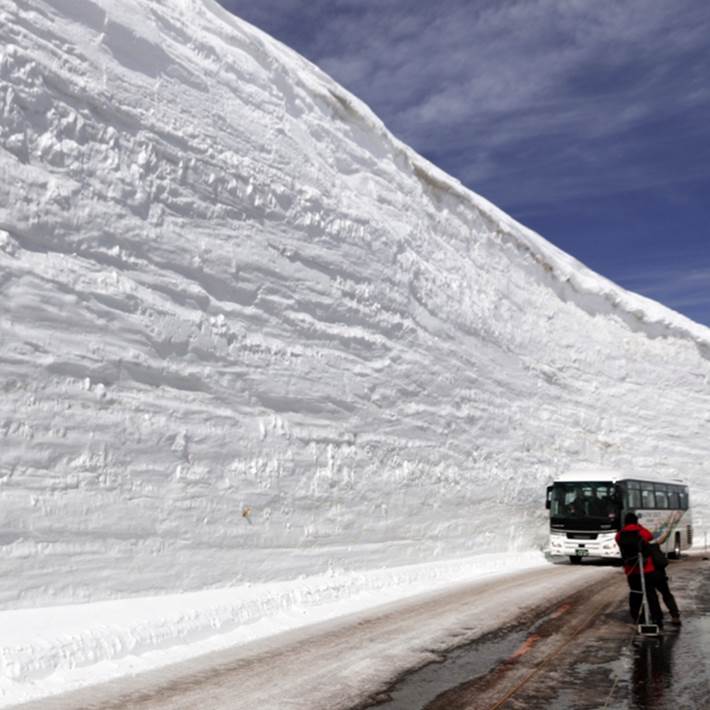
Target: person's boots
(675, 620)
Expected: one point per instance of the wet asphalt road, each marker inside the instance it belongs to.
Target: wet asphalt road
(337, 664)
(582, 654)
(555, 637)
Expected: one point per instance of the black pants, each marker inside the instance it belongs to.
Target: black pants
(665, 592)
(636, 599)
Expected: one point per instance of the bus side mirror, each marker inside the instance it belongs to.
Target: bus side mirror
(548, 500)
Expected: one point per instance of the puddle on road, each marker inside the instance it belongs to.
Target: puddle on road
(668, 673)
(417, 689)
(609, 672)
(664, 674)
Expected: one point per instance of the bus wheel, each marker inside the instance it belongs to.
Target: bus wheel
(574, 560)
(676, 548)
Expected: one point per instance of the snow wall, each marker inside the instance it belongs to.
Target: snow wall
(247, 335)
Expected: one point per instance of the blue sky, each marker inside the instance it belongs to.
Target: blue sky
(587, 120)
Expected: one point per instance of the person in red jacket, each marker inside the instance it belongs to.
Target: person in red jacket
(632, 539)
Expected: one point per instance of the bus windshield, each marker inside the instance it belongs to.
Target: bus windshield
(584, 500)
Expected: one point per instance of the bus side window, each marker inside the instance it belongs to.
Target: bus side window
(661, 499)
(647, 498)
(684, 501)
(634, 499)
(673, 501)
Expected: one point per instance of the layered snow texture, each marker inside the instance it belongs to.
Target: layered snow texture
(247, 335)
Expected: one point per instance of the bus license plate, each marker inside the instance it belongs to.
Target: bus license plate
(581, 552)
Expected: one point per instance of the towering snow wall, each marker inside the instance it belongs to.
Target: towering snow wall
(245, 334)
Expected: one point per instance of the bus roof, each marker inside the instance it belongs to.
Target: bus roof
(593, 474)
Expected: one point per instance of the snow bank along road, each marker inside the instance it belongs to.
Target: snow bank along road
(344, 663)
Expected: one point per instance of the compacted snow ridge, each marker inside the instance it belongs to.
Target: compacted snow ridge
(247, 337)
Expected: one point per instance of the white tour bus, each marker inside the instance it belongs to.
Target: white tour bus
(587, 510)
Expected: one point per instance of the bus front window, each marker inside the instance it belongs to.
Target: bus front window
(584, 500)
